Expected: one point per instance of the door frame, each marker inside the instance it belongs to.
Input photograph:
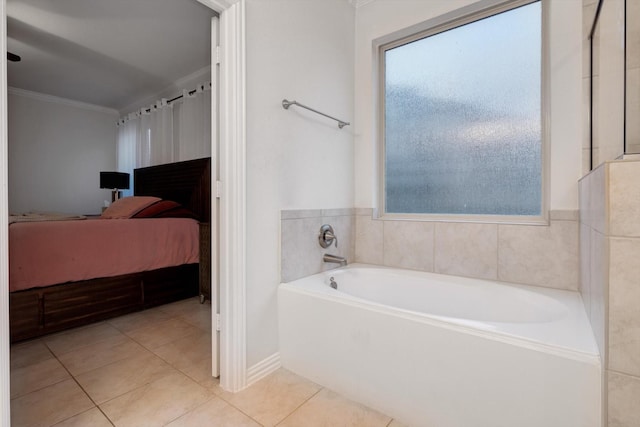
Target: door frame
(232, 203)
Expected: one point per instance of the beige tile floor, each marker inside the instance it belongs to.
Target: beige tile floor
(153, 369)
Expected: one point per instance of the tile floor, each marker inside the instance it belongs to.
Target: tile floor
(152, 368)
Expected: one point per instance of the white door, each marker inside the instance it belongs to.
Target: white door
(215, 151)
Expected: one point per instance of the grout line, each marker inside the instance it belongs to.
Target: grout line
(299, 406)
(213, 396)
(72, 377)
(236, 408)
(85, 392)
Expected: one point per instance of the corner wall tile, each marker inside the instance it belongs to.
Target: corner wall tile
(584, 193)
(409, 244)
(564, 215)
(364, 211)
(624, 300)
(369, 240)
(466, 249)
(539, 255)
(624, 390)
(599, 281)
(585, 268)
(598, 199)
(632, 126)
(586, 161)
(300, 252)
(633, 34)
(624, 198)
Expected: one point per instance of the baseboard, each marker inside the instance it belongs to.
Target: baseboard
(263, 368)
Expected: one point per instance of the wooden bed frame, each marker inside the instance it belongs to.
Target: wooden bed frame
(39, 311)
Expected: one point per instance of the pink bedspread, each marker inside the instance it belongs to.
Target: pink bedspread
(46, 253)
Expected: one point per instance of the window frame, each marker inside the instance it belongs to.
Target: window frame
(448, 21)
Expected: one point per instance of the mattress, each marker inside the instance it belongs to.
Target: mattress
(54, 252)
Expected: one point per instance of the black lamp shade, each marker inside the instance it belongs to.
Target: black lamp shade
(113, 180)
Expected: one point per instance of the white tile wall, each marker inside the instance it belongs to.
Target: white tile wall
(624, 199)
(610, 272)
(301, 254)
(624, 410)
(529, 254)
(466, 249)
(409, 244)
(624, 306)
(369, 240)
(545, 256)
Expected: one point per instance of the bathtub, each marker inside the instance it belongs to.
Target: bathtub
(444, 351)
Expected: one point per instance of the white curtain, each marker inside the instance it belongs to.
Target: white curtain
(126, 147)
(194, 124)
(155, 140)
(166, 132)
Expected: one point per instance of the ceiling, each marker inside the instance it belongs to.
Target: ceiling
(110, 53)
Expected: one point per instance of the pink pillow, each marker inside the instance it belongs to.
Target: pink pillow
(127, 207)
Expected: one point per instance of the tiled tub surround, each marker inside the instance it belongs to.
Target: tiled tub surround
(301, 254)
(439, 350)
(541, 255)
(610, 280)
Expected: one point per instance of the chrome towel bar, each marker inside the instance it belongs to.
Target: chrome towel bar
(286, 104)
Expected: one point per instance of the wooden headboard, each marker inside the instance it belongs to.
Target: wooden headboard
(188, 183)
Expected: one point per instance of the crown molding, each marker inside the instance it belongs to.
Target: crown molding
(58, 100)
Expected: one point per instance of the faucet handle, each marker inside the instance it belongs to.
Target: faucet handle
(331, 237)
(327, 236)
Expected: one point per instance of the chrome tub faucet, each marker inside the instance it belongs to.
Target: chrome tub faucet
(334, 258)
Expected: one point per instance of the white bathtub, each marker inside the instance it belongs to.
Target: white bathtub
(443, 351)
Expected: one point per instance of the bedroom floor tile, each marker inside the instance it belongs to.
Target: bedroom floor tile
(25, 354)
(200, 317)
(184, 307)
(36, 376)
(162, 333)
(77, 338)
(167, 382)
(93, 418)
(138, 320)
(191, 355)
(49, 405)
(110, 381)
(100, 354)
(156, 403)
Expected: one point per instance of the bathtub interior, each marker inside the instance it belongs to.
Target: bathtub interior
(534, 316)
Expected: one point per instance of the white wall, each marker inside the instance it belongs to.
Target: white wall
(57, 149)
(380, 18)
(299, 50)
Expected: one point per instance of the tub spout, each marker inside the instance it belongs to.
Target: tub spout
(334, 258)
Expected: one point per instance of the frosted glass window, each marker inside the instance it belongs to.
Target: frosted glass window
(462, 116)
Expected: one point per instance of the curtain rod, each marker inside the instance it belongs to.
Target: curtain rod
(191, 92)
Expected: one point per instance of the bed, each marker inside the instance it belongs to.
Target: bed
(40, 304)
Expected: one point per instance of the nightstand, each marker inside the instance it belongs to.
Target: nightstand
(205, 262)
